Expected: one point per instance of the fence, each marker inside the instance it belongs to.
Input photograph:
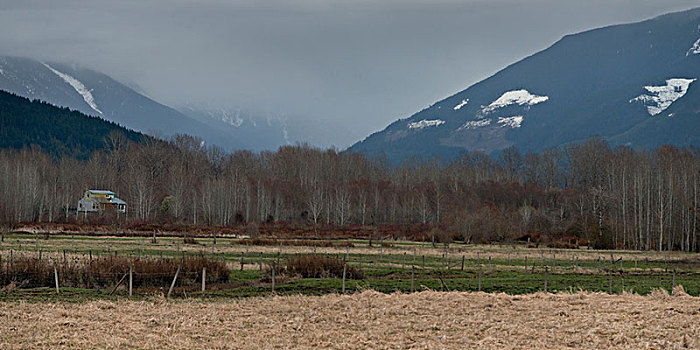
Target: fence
(390, 270)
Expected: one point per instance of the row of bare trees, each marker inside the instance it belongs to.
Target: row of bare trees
(611, 197)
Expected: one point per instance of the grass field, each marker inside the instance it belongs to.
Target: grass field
(388, 267)
(449, 320)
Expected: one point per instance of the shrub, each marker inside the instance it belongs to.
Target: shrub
(317, 266)
(29, 272)
(190, 240)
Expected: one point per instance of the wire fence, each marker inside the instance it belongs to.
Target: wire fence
(398, 271)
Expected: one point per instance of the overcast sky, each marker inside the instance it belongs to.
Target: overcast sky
(363, 63)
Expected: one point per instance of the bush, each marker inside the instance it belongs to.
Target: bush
(106, 272)
(190, 240)
(317, 266)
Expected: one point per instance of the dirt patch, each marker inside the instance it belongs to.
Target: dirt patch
(364, 320)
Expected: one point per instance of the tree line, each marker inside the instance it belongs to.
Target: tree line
(588, 192)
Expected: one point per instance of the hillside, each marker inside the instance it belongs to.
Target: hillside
(58, 131)
(97, 94)
(632, 84)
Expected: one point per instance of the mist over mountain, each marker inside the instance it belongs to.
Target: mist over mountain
(632, 84)
(97, 94)
(260, 131)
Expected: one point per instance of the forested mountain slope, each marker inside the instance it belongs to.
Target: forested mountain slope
(58, 131)
(94, 93)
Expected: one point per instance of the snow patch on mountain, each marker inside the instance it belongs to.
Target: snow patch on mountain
(226, 117)
(425, 123)
(695, 50)
(2, 71)
(511, 122)
(461, 104)
(519, 97)
(474, 124)
(78, 86)
(661, 97)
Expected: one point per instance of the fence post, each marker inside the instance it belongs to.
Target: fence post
(413, 271)
(479, 278)
(424, 262)
(403, 263)
(172, 285)
(673, 283)
(610, 280)
(242, 262)
(462, 262)
(55, 276)
(131, 278)
(489, 264)
(345, 269)
(260, 264)
(273, 277)
(204, 279)
(525, 263)
(546, 276)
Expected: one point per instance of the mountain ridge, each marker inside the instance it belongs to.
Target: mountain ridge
(590, 80)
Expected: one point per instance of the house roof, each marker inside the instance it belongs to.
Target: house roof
(117, 201)
(101, 191)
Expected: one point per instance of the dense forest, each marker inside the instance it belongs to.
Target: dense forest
(612, 198)
(58, 131)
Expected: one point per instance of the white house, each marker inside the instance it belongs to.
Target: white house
(99, 201)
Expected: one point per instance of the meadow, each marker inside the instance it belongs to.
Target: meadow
(386, 266)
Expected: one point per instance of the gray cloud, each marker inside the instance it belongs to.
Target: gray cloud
(359, 63)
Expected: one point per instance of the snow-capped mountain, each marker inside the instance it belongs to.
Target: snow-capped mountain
(633, 84)
(260, 131)
(97, 94)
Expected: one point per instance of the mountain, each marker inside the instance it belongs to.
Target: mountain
(97, 94)
(58, 131)
(260, 131)
(632, 84)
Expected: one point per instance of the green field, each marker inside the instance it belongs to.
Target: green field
(394, 266)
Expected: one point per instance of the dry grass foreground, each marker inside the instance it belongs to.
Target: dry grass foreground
(363, 320)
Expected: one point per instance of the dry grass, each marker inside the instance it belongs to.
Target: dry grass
(365, 320)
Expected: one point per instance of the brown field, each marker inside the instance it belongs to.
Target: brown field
(364, 320)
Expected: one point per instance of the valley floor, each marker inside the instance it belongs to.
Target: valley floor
(368, 319)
